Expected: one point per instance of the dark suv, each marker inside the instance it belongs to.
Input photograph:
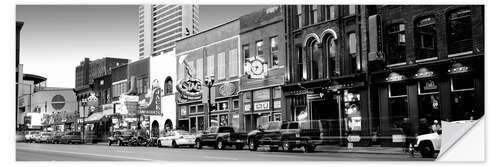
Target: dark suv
(121, 137)
(267, 134)
(309, 134)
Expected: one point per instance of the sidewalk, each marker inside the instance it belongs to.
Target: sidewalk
(364, 150)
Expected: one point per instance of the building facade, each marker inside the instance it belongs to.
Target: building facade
(263, 63)
(54, 109)
(327, 68)
(161, 25)
(27, 86)
(213, 53)
(430, 66)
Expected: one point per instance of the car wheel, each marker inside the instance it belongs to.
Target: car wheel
(109, 142)
(286, 146)
(198, 144)
(159, 143)
(174, 144)
(220, 144)
(240, 146)
(426, 150)
(309, 148)
(252, 146)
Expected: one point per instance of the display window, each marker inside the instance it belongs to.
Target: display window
(352, 110)
(398, 105)
(223, 120)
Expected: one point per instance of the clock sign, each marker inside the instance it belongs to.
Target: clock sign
(256, 68)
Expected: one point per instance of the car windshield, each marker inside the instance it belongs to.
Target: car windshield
(46, 134)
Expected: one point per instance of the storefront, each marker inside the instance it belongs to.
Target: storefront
(344, 104)
(411, 99)
(261, 106)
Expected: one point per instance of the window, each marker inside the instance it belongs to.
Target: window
(316, 60)
(330, 12)
(313, 14)
(199, 69)
(223, 120)
(300, 19)
(277, 117)
(301, 66)
(221, 66)
(210, 65)
(200, 123)
(236, 104)
(259, 49)
(222, 106)
(284, 126)
(276, 92)
(333, 58)
(274, 52)
(192, 109)
(233, 63)
(398, 104)
(396, 44)
(425, 38)
(352, 10)
(354, 56)
(247, 96)
(459, 31)
(200, 109)
(246, 53)
(168, 86)
(294, 125)
(461, 84)
(397, 90)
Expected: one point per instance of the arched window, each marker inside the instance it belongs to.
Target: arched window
(459, 31)
(425, 36)
(333, 58)
(396, 44)
(317, 63)
(168, 88)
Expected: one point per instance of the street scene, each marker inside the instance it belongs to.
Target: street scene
(190, 82)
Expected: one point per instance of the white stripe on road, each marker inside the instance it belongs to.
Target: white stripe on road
(224, 158)
(98, 155)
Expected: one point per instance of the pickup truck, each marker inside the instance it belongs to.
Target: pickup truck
(220, 137)
(267, 134)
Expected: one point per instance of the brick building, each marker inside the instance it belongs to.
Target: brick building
(429, 65)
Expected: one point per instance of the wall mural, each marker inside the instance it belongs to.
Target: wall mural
(189, 88)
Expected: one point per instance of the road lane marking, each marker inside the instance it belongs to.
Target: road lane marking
(223, 158)
(98, 155)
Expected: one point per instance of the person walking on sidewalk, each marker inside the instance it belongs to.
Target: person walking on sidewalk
(436, 127)
(406, 126)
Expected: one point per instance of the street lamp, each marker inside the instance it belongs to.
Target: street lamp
(209, 83)
(84, 103)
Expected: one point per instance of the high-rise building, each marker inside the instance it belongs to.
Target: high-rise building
(161, 25)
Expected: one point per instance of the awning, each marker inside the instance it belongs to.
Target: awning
(94, 117)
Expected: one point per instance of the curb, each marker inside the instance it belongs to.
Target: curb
(362, 152)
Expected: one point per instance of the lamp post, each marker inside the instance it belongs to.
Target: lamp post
(84, 103)
(209, 83)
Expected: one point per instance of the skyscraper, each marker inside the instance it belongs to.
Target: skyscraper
(161, 25)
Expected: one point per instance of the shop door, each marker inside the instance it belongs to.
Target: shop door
(155, 129)
(327, 111)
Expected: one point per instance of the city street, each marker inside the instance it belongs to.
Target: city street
(100, 152)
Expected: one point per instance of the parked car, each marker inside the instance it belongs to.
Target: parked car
(267, 134)
(121, 137)
(56, 137)
(428, 144)
(308, 134)
(72, 137)
(177, 138)
(44, 137)
(31, 135)
(20, 136)
(220, 137)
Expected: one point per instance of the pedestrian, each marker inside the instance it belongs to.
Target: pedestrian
(436, 127)
(407, 132)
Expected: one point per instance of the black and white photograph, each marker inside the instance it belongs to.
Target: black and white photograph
(179, 82)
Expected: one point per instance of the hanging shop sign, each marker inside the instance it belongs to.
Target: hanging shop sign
(394, 77)
(430, 85)
(227, 89)
(261, 106)
(458, 68)
(353, 138)
(190, 89)
(256, 68)
(183, 110)
(153, 107)
(424, 73)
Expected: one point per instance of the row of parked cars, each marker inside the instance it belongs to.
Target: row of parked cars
(49, 137)
(275, 134)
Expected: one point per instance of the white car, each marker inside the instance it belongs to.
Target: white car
(428, 144)
(177, 138)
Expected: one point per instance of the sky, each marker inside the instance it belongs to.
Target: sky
(56, 38)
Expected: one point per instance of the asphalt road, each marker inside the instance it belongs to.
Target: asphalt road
(100, 152)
